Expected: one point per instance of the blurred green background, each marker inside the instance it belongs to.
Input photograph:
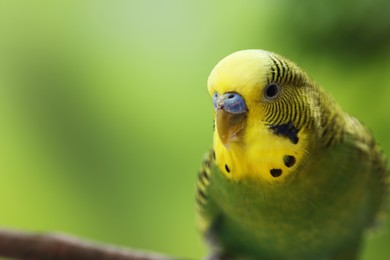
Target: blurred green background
(104, 114)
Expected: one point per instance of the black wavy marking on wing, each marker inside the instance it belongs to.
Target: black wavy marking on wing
(204, 180)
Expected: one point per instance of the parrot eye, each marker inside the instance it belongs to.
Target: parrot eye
(271, 91)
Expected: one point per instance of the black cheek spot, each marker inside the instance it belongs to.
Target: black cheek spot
(276, 172)
(227, 168)
(289, 160)
(286, 130)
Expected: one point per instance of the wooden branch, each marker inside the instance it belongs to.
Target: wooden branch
(22, 245)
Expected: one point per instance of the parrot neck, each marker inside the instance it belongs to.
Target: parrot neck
(264, 156)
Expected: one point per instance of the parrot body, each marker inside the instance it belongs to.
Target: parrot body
(290, 175)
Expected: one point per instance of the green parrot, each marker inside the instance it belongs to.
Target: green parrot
(290, 174)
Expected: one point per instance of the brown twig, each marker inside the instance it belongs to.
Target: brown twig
(22, 245)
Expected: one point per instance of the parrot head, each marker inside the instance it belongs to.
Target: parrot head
(263, 108)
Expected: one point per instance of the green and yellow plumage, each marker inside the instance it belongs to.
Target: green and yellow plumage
(290, 175)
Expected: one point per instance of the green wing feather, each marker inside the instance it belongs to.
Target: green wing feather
(206, 208)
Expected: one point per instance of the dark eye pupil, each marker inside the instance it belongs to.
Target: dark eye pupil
(271, 91)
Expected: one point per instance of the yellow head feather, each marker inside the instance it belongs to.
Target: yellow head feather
(263, 153)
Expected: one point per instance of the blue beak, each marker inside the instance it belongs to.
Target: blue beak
(230, 102)
(231, 112)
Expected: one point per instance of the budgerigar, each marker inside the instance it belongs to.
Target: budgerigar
(290, 175)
